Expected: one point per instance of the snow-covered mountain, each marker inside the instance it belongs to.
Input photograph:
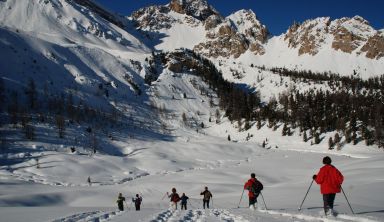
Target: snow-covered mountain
(339, 46)
(145, 103)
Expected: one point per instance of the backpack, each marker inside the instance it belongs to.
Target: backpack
(256, 187)
(175, 197)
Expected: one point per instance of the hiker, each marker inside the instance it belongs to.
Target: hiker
(330, 180)
(184, 201)
(174, 197)
(137, 201)
(120, 202)
(206, 197)
(254, 188)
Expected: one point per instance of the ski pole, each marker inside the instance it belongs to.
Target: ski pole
(306, 195)
(347, 200)
(266, 208)
(238, 206)
(164, 196)
(212, 202)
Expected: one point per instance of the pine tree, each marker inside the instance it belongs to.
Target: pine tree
(31, 92)
(2, 94)
(317, 138)
(184, 118)
(330, 143)
(305, 137)
(60, 124)
(259, 124)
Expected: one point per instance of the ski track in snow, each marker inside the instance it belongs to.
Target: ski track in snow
(198, 216)
(95, 216)
(304, 217)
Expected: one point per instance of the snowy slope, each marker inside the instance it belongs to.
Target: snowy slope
(64, 22)
(189, 166)
(66, 47)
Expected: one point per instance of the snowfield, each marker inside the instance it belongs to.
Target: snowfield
(58, 189)
(158, 141)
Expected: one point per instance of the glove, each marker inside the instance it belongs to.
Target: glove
(314, 177)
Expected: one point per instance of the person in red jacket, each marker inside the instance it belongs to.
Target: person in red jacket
(174, 197)
(254, 188)
(330, 180)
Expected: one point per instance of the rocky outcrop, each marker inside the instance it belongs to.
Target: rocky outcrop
(213, 21)
(153, 18)
(374, 47)
(347, 35)
(350, 33)
(198, 9)
(224, 46)
(239, 32)
(309, 36)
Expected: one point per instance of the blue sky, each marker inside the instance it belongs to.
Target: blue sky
(277, 15)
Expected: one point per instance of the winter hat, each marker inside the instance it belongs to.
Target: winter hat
(327, 160)
(253, 175)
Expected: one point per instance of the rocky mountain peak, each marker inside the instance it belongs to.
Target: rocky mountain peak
(345, 34)
(199, 9)
(308, 36)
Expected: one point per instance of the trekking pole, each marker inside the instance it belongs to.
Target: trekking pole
(164, 196)
(347, 200)
(306, 195)
(212, 202)
(266, 208)
(238, 206)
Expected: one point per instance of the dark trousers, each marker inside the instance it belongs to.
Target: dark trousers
(329, 200)
(137, 207)
(121, 206)
(184, 205)
(206, 202)
(253, 200)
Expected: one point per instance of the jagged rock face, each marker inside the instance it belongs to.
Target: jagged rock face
(246, 22)
(374, 47)
(349, 34)
(224, 46)
(153, 17)
(309, 36)
(198, 9)
(240, 32)
(213, 21)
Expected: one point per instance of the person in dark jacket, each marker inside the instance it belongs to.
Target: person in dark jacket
(184, 199)
(120, 202)
(174, 197)
(137, 201)
(330, 180)
(206, 197)
(254, 188)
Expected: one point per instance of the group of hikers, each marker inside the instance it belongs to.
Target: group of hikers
(137, 200)
(175, 198)
(329, 178)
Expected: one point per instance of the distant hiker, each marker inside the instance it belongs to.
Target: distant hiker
(184, 201)
(89, 181)
(330, 180)
(206, 197)
(174, 197)
(120, 202)
(254, 188)
(137, 201)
